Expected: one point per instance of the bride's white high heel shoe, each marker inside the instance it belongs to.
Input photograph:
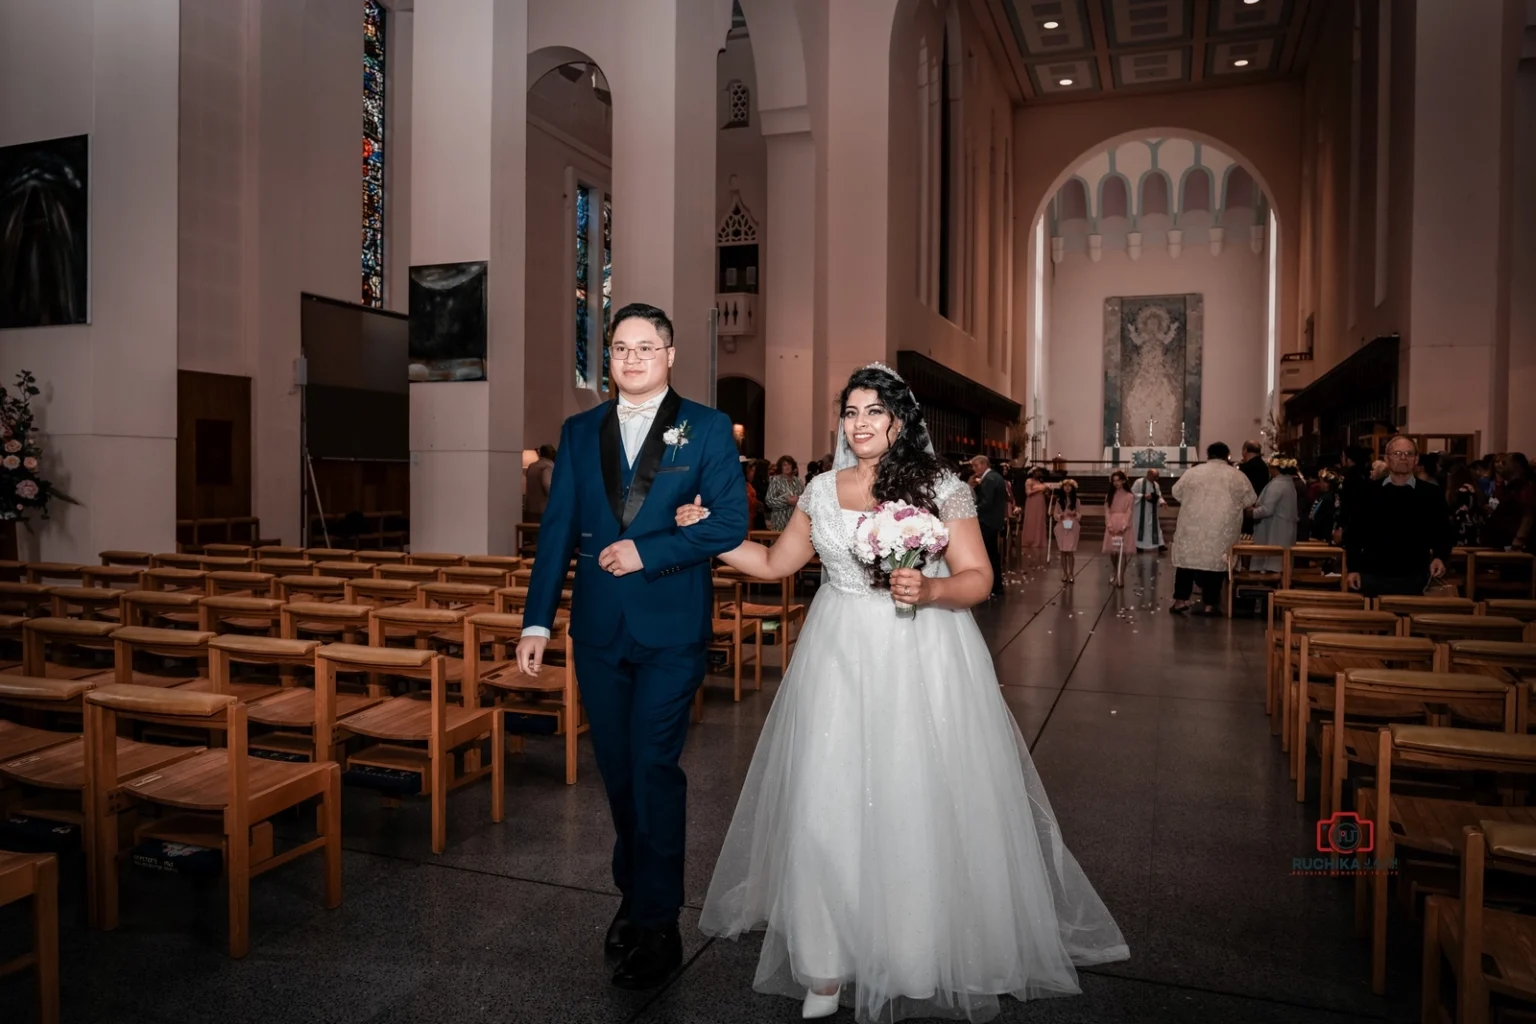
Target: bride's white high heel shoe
(817, 1005)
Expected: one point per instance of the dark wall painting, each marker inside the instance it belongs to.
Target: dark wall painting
(448, 322)
(44, 232)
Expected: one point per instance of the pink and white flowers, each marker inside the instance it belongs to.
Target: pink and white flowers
(22, 447)
(897, 535)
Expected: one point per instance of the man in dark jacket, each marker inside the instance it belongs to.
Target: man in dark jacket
(1352, 487)
(1399, 534)
(991, 514)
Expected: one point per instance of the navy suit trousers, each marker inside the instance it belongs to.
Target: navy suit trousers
(638, 701)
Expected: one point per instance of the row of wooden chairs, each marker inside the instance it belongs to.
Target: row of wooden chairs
(35, 876)
(1434, 690)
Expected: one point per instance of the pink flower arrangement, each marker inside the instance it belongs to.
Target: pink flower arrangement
(897, 535)
(19, 468)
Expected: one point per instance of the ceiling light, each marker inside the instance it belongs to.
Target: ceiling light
(1051, 24)
(1065, 81)
(1240, 63)
(1250, 3)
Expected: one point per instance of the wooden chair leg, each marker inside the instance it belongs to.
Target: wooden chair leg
(736, 669)
(1429, 1010)
(1299, 750)
(440, 762)
(757, 664)
(45, 938)
(237, 874)
(1325, 741)
(498, 766)
(332, 809)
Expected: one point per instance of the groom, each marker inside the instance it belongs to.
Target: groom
(641, 612)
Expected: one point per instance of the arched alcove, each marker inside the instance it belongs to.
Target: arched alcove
(1196, 191)
(1154, 196)
(742, 399)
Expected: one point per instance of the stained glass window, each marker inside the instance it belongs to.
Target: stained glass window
(373, 153)
(583, 320)
(607, 279)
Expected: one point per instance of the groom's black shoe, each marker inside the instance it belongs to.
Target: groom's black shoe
(622, 935)
(652, 960)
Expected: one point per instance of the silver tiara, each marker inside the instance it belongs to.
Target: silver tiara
(877, 365)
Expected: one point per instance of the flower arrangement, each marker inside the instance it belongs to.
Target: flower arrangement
(22, 486)
(897, 535)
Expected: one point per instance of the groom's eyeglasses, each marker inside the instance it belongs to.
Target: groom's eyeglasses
(621, 352)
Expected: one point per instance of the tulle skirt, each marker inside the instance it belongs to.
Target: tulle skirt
(892, 834)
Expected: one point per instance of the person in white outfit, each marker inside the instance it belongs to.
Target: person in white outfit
(892, 837)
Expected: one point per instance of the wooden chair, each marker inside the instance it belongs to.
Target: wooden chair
(212, 563)
(140, 559)
(103, 604)
(176, 560)
(1364, 697)
(1324, 656)
(413, 573)
(436, 559)
(303, 720)
(421, 736)
(1406, 605)
(509, 563)
(122, 577)
(221, 798)
(326, 620)
(383, 593)
(173, 578)
(178, 644)
(286, 566)
(39, 637)
(379, 557)
(158, 607)
(526, 537)
(35, 876)
(1296, 623)
(11, 570)
(552, 693)
(330, 554)
(466, 597)
(512, 600)
(310, 588)
(782, 617)
(1430, 825)
(1515, 608)
(266, 551)
(1488, 950)
(729, 635)
(1316, 567)
(1501, 574)
(228, 550)
(1279, 603)
(239, 584)
(346, 570)
(230, 649)
(1242, 576)
(480, 575)
(1445, 628)
(43, 704)
(1511, 663)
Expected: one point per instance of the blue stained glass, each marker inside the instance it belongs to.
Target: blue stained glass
(607, 280)
(373, 154)
(583, 320)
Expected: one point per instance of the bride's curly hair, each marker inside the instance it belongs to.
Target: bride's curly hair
(907, 471)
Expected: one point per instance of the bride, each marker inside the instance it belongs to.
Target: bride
(892, 835)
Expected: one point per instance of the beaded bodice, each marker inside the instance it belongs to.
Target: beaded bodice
(832, 529)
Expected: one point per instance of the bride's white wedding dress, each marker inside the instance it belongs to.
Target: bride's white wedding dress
(892, 834)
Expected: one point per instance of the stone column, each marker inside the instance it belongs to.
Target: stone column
(1457, 344)
(468, 168)
(790, 274)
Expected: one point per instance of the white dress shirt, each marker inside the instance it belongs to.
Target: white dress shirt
(633, 429)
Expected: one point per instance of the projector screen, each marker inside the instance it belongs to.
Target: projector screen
(357, 402)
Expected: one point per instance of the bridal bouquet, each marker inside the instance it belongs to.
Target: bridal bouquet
(897, 535)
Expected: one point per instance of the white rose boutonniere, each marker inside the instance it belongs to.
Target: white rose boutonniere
(675, 438)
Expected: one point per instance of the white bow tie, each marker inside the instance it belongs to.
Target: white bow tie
(629, 412)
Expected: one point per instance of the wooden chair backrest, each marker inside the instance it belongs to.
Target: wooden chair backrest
(506, 562)
(216, 564)
(173, 560)
(286, 566)
(1357, 650)
(383, 593)
(131, 558)
(228, 550)
(170, 577)
(310, 588)
(456, 595)
(414, 573)
(1466, 627)
(1300, 571)
(1420, 604)
(330, 554)
(1281, 600)
(29, 599)
(486, 575)
(346, 570)
(1511, 608)
(253, 584)
(437, 559)
(212, 611)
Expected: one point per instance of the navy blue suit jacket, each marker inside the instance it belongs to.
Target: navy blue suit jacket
(671, 601)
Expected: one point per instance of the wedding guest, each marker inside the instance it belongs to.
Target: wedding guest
(1275, 515)
(1510, 521)
(760, 485)
(1212, 499)
(1356, 477)
(991, 514)
(1379, 470)
(536, 481)
(1148, 493)
(812, 467)
(1068, 526)
(1117, 525)
(754, 504)
(784, 490)
(1400, 536)
(1468, 508)
(1325, 507)
(1303, 505)
(1033, 536)
(1253, 466)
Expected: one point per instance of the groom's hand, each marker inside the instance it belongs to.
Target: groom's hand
(530, 654)
(620, 557)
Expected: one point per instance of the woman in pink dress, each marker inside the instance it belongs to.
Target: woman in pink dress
(1117, 525)
(1036, 516)
(1068, 527)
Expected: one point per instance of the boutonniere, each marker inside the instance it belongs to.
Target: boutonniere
(675, 438)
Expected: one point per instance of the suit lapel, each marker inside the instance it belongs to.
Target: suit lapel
(611, 450)
(650, 455)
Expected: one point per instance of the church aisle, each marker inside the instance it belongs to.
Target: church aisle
(1148, 734)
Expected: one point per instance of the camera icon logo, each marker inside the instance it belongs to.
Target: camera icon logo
(1345, 832)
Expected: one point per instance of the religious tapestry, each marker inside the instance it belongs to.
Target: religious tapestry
(1152, 364)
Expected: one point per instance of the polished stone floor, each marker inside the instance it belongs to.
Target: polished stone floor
(1148, 731)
